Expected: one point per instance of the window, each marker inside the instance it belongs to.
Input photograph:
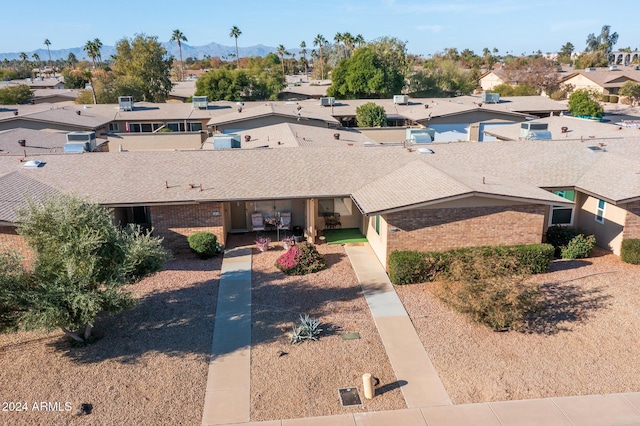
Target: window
(377, 224)
(113, 127)
(344, 206)
(144, 127)
(600, 211)
(562, 215)
(194, 126)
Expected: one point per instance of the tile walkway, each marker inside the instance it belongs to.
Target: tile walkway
(227, 397)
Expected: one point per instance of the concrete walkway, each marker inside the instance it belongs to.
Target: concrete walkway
(421, 385)
(228, 395)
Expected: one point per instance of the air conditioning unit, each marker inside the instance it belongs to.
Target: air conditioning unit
(490, 98)
(329, 101)
(590, 69)
(534, 130)
(400, 99)
(226, 141)
(200, 102)
(613, 68)
(125, 103)
(80, 142)
(420, 135)
(636, 67)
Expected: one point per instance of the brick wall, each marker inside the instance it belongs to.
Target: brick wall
(443, 229)
(632, 222)
(176, 223)
(10, 240)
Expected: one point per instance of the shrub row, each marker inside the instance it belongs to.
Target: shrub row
(409, 267)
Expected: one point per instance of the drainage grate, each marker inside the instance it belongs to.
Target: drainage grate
(349, 397)
(350, 336)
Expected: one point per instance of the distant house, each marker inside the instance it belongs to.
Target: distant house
(606, 81)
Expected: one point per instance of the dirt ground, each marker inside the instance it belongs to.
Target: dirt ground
(302, 380)
(149, 365)
(586, 342)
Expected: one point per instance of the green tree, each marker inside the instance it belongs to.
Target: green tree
(14, 95)
(371, 115)
(141, 64)
(631, 89)
(604, 42)
(92, 51)
(366, 74)
(506, 89)
(235, 33)
(74, 79)
(565, 52)
(82, 261)
(281, 52)
(583, 103)
(36, 59)
(72, 60)
(223, 84)
(179, 37)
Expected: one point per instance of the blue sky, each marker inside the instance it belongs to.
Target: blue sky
(515, 26)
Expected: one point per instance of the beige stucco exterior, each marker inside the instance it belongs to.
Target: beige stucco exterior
(155, 141)
(581, 82)
(608, 234)
(270, 120)
(489, 81)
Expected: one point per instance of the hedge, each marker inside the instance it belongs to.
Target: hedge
(630, 251)
(204, 244)
(409, 267)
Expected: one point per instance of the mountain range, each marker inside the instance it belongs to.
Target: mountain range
(212, 49)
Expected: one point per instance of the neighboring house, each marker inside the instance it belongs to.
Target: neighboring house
(68, 118)
(182, 90)
(492, 78)
(52, 96)
(28, 142)
(302, 91)
(258, 114)
(37, 83)
(623, 58)
(606, 81)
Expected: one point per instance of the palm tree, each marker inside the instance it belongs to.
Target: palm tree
(281, 52)
(349, 42)
(71, 60)
(338, 38)
(89, 76)
(48, 43)
(36, 59)
(98, 45)
(303, 52)
(179, 37)
(359, 40)
(320, 41)
(235, 32)
(90, 48)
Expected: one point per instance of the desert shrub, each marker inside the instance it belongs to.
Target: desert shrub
(559, 236)
(204, 244)
(605, 98)
(614, 99)
(301, 259)
(407, 267)
(500, 302)
(579, 247)
(630, 251)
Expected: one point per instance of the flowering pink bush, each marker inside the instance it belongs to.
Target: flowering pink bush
(300, 260)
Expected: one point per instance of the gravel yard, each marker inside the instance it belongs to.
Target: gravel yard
(304, 382)
(587, 341)
(149, 365)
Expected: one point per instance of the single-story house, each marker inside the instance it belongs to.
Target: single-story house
(454, 195)
(606, 81)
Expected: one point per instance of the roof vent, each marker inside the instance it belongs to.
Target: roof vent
(636, 67)
(426, 151)
(369, 143)
(22, 142)
(589, 69)
(595, 149)
(529, 127)
(613, 68)
(32, 164)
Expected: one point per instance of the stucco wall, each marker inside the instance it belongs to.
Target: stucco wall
(608, 234)
(176, 223)
(156, 141)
